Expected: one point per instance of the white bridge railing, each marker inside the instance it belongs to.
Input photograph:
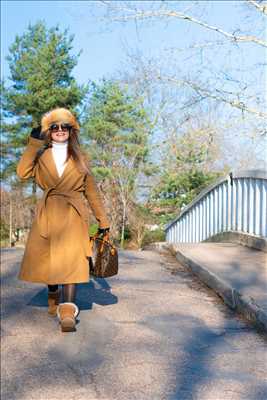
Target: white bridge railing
(234, 203)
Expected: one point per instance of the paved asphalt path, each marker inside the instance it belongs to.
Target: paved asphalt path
(153, 332)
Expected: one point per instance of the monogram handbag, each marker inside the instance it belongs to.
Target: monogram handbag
(104, 261)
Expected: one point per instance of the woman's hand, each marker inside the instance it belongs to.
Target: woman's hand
(103, 231)
(37, 134)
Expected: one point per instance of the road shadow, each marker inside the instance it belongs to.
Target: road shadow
(192, 367)
(97, 291)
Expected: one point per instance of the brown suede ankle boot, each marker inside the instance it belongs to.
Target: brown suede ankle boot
(67, 313)
(53, 302)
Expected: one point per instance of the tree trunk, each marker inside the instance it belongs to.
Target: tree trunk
(10, 222)
(123, 225)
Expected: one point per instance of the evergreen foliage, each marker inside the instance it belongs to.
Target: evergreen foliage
(179, 189)
(185, 173)
(41, 65)
(117, 131)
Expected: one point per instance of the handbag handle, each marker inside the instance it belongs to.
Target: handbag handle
(106, 238)
(103, 239)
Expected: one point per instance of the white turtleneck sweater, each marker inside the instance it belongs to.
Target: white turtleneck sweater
(59, 151)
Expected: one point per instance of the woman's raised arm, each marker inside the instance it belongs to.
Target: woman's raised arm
(25, 167)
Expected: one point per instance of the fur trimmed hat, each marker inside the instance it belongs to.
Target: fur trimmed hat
(58, 115)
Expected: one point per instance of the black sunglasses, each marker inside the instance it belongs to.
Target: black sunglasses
(56, 127)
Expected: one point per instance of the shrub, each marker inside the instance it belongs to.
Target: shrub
(127, 233)
(153, 236)
(4, 230)
(93, 229)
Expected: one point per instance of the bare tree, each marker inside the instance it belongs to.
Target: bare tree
(230, 87)
(128, 11)
(142, 12)
(17, 211)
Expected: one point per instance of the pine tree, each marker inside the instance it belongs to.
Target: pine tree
(41, 66)
(117, 131)
(185, 171)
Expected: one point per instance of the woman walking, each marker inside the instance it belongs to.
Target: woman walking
(58, 246)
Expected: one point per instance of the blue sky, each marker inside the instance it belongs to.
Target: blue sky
(99, 56)
(103, 48)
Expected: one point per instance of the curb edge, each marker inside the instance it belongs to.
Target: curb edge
(245, 305)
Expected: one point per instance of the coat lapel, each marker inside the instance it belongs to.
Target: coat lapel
(67, 168)
(51, 165)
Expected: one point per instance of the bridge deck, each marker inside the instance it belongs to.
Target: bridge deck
(242, 268)
(152, 332)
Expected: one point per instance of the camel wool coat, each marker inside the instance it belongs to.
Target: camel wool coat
(58, 243)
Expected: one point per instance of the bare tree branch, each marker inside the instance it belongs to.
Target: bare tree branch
(133, 14)
(198, 46)
(220, 96)
(261, 8)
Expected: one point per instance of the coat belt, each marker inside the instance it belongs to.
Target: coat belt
(72, 197)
